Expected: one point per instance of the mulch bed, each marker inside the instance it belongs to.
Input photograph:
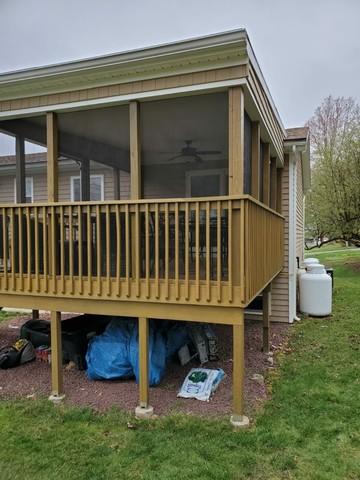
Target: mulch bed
(33, 380)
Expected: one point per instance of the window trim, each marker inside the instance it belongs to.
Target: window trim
(77, 177)
(31, 182)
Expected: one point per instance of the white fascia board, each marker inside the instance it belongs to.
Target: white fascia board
(120, 99)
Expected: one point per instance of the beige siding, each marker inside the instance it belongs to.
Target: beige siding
(280, 286)
(7, 185)
(173, 81)
(299, 212)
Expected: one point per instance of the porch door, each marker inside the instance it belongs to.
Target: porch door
(206, 183)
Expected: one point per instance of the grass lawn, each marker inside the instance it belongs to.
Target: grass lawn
(310, 429)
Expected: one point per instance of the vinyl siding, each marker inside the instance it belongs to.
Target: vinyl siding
(299, 212)
(280, 285)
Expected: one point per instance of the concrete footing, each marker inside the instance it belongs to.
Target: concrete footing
(239, 421)
(144, 413)
(56, 399)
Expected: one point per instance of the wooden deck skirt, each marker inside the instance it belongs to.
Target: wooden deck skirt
(219, 251)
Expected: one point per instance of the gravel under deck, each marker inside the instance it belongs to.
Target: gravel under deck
(33, 380)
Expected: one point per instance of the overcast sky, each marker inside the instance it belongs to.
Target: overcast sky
(307, 49)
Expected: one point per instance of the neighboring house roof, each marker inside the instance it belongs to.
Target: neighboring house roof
(29, 158)
(297, 134)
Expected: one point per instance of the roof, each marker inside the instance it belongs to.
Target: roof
(29, 158)
(297, 134)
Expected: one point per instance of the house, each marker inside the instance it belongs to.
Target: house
(206, 205)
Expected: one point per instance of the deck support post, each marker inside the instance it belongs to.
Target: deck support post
(266, 318)
(56, 358)
(255, 160)
(238, 419)
(236, 140)
(144, 410)
(273, 182)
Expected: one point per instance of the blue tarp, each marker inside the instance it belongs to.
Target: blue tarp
(115, 353)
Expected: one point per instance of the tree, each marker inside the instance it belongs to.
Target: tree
(333, 204)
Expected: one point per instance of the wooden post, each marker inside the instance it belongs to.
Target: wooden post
(255, 160)
(116, 176)
(20, 170)
(236, 141)
(85, 180)
(35, 315)
(52, 184)
(238, 419)
(52, 156)
(56, 357)
(266, 175)
(279, 189)
(273, 182)
(266, 298)
(144, 410)
(135, 149)
(236, 172)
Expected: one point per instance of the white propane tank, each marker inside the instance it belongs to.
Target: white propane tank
(310, 261)
(315, 291)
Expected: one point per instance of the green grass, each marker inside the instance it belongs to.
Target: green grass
(309, 430)
(6, 315)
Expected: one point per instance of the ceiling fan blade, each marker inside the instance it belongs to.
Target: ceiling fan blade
(208, 152)
(175, 157)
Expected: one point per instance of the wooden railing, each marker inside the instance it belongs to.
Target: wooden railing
(194, 251)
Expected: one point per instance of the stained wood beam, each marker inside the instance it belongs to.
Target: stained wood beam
(279, 190)
(266, 298)
(20, 170)
(56, 356)
(85, 180)
(273, 183)
(52, 157)
(135, 149)
(266, 175)
(236, 141)
(255, 160)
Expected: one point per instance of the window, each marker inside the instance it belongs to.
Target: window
(206, 183)
(29, 190)
(96, 188)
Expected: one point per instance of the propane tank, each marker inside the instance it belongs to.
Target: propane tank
(315, 291)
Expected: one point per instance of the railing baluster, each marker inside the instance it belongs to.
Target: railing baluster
(53, 248)
(157, 280)
(5, 253)
(187, 251)
(71, 249)
(147, 251)
(167, 250)
(118, 250)
(230, 262)
(137, 249)
(45, 248)
(80, 249)
(37, 248)
(197, 250)
(28, 245)
(21, 250)
(177, 250)
(12, 249)
(89, 247)
(98, 249)
(207, 250)
(127, 248)
(218, 249)
(108, 251)
(62, 247)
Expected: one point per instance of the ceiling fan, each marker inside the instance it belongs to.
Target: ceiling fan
(193, 152)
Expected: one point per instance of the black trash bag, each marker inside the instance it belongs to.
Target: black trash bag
(22, 351)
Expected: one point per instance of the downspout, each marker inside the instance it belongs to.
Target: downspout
(292, 234)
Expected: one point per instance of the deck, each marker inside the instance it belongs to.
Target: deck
(219, 251)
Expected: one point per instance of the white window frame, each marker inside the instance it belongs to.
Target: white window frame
(222, 172)
(30, 181)
(77, 177)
